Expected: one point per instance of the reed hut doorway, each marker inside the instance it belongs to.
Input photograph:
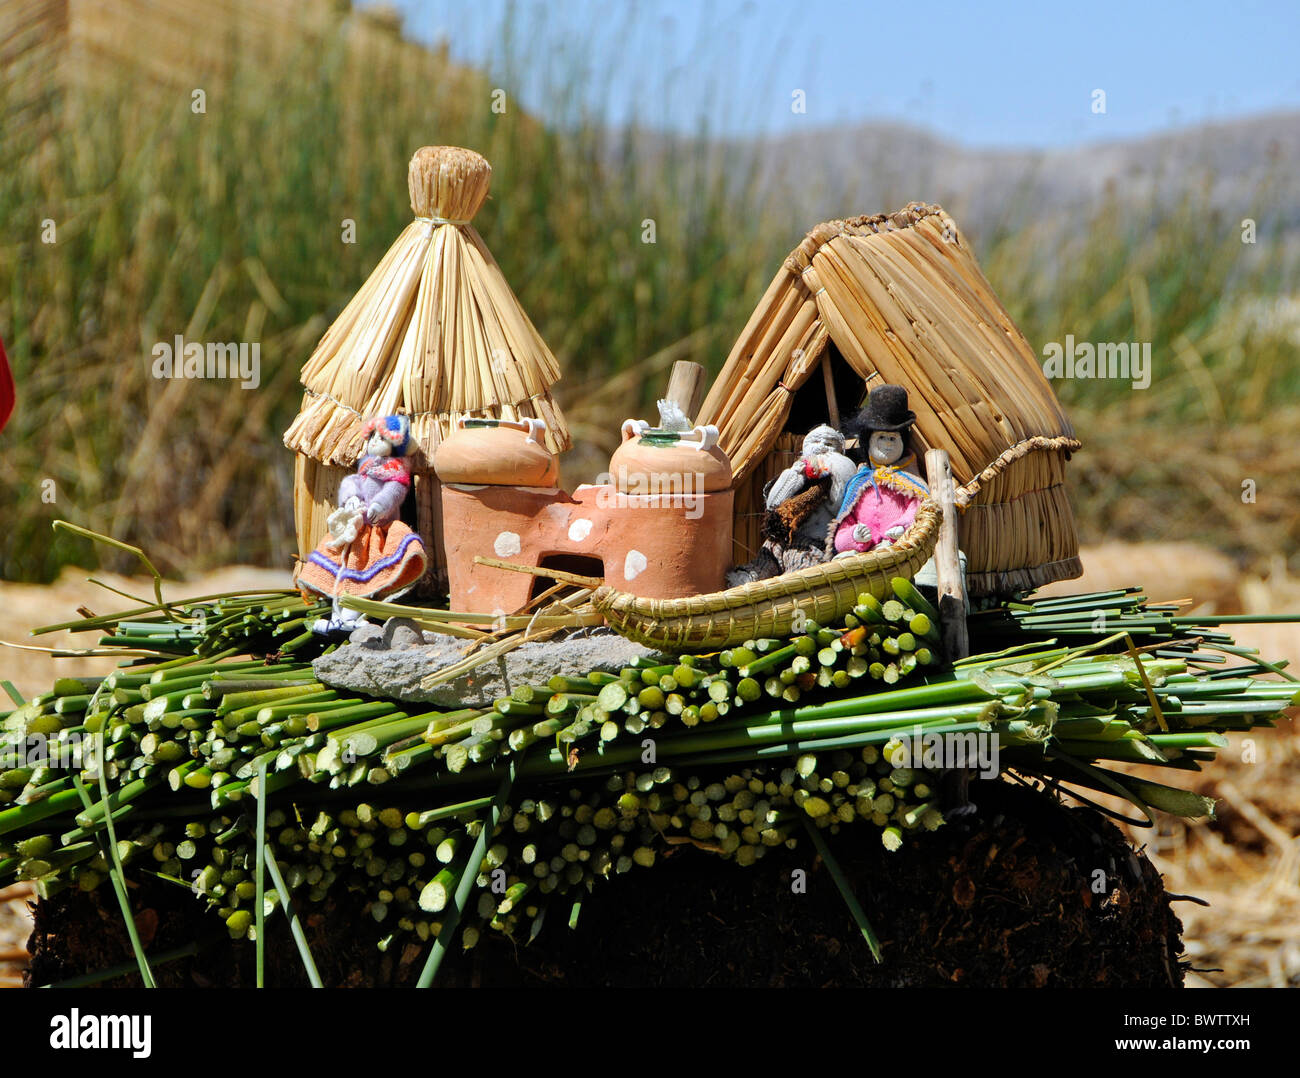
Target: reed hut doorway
(829, 396)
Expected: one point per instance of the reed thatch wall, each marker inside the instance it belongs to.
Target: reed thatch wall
(900, 299)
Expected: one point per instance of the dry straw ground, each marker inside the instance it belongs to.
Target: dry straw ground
(1245, 864)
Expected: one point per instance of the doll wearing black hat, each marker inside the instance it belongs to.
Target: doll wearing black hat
(881, 500)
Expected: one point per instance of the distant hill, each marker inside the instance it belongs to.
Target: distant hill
(1249, 167)
(814, 175)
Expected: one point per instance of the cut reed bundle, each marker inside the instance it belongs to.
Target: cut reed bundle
(903, 301)
(836, 726)
(434, 333)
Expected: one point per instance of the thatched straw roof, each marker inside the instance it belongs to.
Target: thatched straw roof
(435, 332)
(903, 301)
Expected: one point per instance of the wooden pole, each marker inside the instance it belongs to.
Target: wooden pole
(952, 588)
(832, 402)
(686, 387)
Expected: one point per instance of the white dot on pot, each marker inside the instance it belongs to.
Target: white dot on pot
(507, 545)
(633, 565)
(579, 529)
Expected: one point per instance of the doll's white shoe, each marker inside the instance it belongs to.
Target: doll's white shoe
(341, 620)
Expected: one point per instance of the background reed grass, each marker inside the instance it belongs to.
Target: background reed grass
(227, 226)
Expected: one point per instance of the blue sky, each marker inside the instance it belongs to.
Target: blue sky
(986, 74)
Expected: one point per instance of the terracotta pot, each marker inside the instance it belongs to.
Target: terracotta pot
(652, 461)
(497, 452)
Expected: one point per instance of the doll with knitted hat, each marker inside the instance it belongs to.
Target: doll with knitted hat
(368, 552)
(800, 504)
(881, 500)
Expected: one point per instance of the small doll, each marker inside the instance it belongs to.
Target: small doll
(881, 500)
(800, 503)
(368, 552)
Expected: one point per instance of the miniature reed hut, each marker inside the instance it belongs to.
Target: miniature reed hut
(900, 299)
(435, 333)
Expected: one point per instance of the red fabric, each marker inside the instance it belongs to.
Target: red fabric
(816, 467)
(6, 388)
(386, 469)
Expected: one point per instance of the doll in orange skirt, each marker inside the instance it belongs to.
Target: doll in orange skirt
(368, 552)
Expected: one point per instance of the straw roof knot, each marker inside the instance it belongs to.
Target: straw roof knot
(801, 258)
(435, 221)
(448, 184)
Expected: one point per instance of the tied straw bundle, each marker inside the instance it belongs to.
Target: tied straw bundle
(435, 332)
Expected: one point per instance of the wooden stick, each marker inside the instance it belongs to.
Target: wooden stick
(952, 589)
(686, 387)
(832, 404)
(554, 574)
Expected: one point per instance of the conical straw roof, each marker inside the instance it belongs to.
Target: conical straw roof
(435, 332)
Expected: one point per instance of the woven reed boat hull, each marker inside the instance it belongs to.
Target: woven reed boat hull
(769, 608)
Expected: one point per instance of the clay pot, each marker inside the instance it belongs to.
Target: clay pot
(653, 461)
(497, 452)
